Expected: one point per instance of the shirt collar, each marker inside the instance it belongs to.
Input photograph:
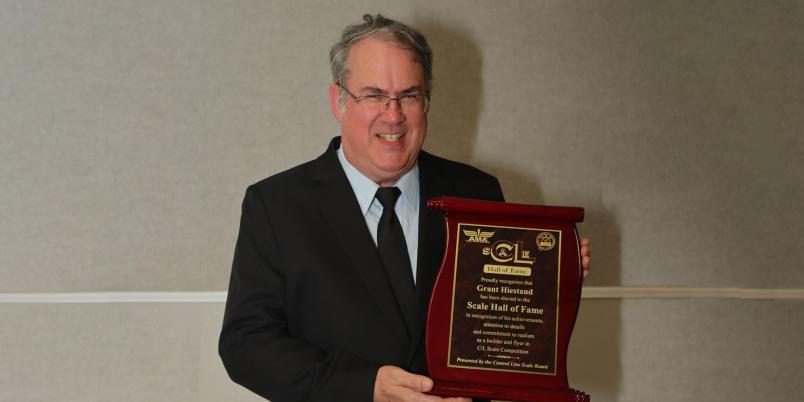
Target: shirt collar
(365, 188)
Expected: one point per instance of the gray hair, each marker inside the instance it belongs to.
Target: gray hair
(378, 26)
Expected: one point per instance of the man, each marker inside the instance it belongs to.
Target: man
(318, 310)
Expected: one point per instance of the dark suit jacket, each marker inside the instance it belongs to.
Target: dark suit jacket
(310, 314)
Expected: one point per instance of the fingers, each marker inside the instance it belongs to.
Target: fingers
(586, 258)
(585, 261)
(394, 384)
(395, 376)
(414, 382)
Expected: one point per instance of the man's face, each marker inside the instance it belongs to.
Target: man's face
(383, 145)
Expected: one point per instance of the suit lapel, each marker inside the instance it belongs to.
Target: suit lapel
(431, 231)
(431, 241)
(342, 211)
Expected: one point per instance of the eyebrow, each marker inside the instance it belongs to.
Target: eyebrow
(377, 90)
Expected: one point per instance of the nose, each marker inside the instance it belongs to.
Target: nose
(393, 111)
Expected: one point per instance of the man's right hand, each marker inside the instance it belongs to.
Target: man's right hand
(394, 384)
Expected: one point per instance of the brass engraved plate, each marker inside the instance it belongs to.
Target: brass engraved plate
(505, 299)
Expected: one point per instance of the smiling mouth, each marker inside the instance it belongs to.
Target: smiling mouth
(390, 137)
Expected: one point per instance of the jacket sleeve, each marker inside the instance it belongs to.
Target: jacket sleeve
(255, 345)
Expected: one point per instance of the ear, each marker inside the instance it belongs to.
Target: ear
(334, 90)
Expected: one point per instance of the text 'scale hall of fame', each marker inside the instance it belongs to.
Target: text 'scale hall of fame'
(505, 301)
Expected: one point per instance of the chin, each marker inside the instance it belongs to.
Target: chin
(395, 168)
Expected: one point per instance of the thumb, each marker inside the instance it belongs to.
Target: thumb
(426, 384)
(419, 383)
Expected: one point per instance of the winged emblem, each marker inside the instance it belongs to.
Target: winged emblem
(477, 236)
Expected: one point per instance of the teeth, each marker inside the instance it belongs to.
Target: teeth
(390, 137)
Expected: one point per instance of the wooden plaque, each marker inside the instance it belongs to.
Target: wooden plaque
(505, 301)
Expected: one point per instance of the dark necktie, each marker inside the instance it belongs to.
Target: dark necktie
(394, 254)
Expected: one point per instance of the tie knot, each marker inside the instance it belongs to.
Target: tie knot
(388, 196)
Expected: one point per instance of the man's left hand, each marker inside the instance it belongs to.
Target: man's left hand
(585, 258)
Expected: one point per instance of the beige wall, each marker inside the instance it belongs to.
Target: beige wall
(130, 129)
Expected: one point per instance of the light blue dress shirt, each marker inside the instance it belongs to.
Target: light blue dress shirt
(407, 206)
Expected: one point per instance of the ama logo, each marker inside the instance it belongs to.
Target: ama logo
(477, 236)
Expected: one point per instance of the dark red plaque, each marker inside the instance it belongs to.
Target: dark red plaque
(505, 301)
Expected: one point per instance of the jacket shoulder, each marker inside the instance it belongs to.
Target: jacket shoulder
(287, 180)
(454, 168)
(464, 180)
(303, 177)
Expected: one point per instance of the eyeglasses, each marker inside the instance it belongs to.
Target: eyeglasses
(408, 103)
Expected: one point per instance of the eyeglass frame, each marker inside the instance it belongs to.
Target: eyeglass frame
(388, 99)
